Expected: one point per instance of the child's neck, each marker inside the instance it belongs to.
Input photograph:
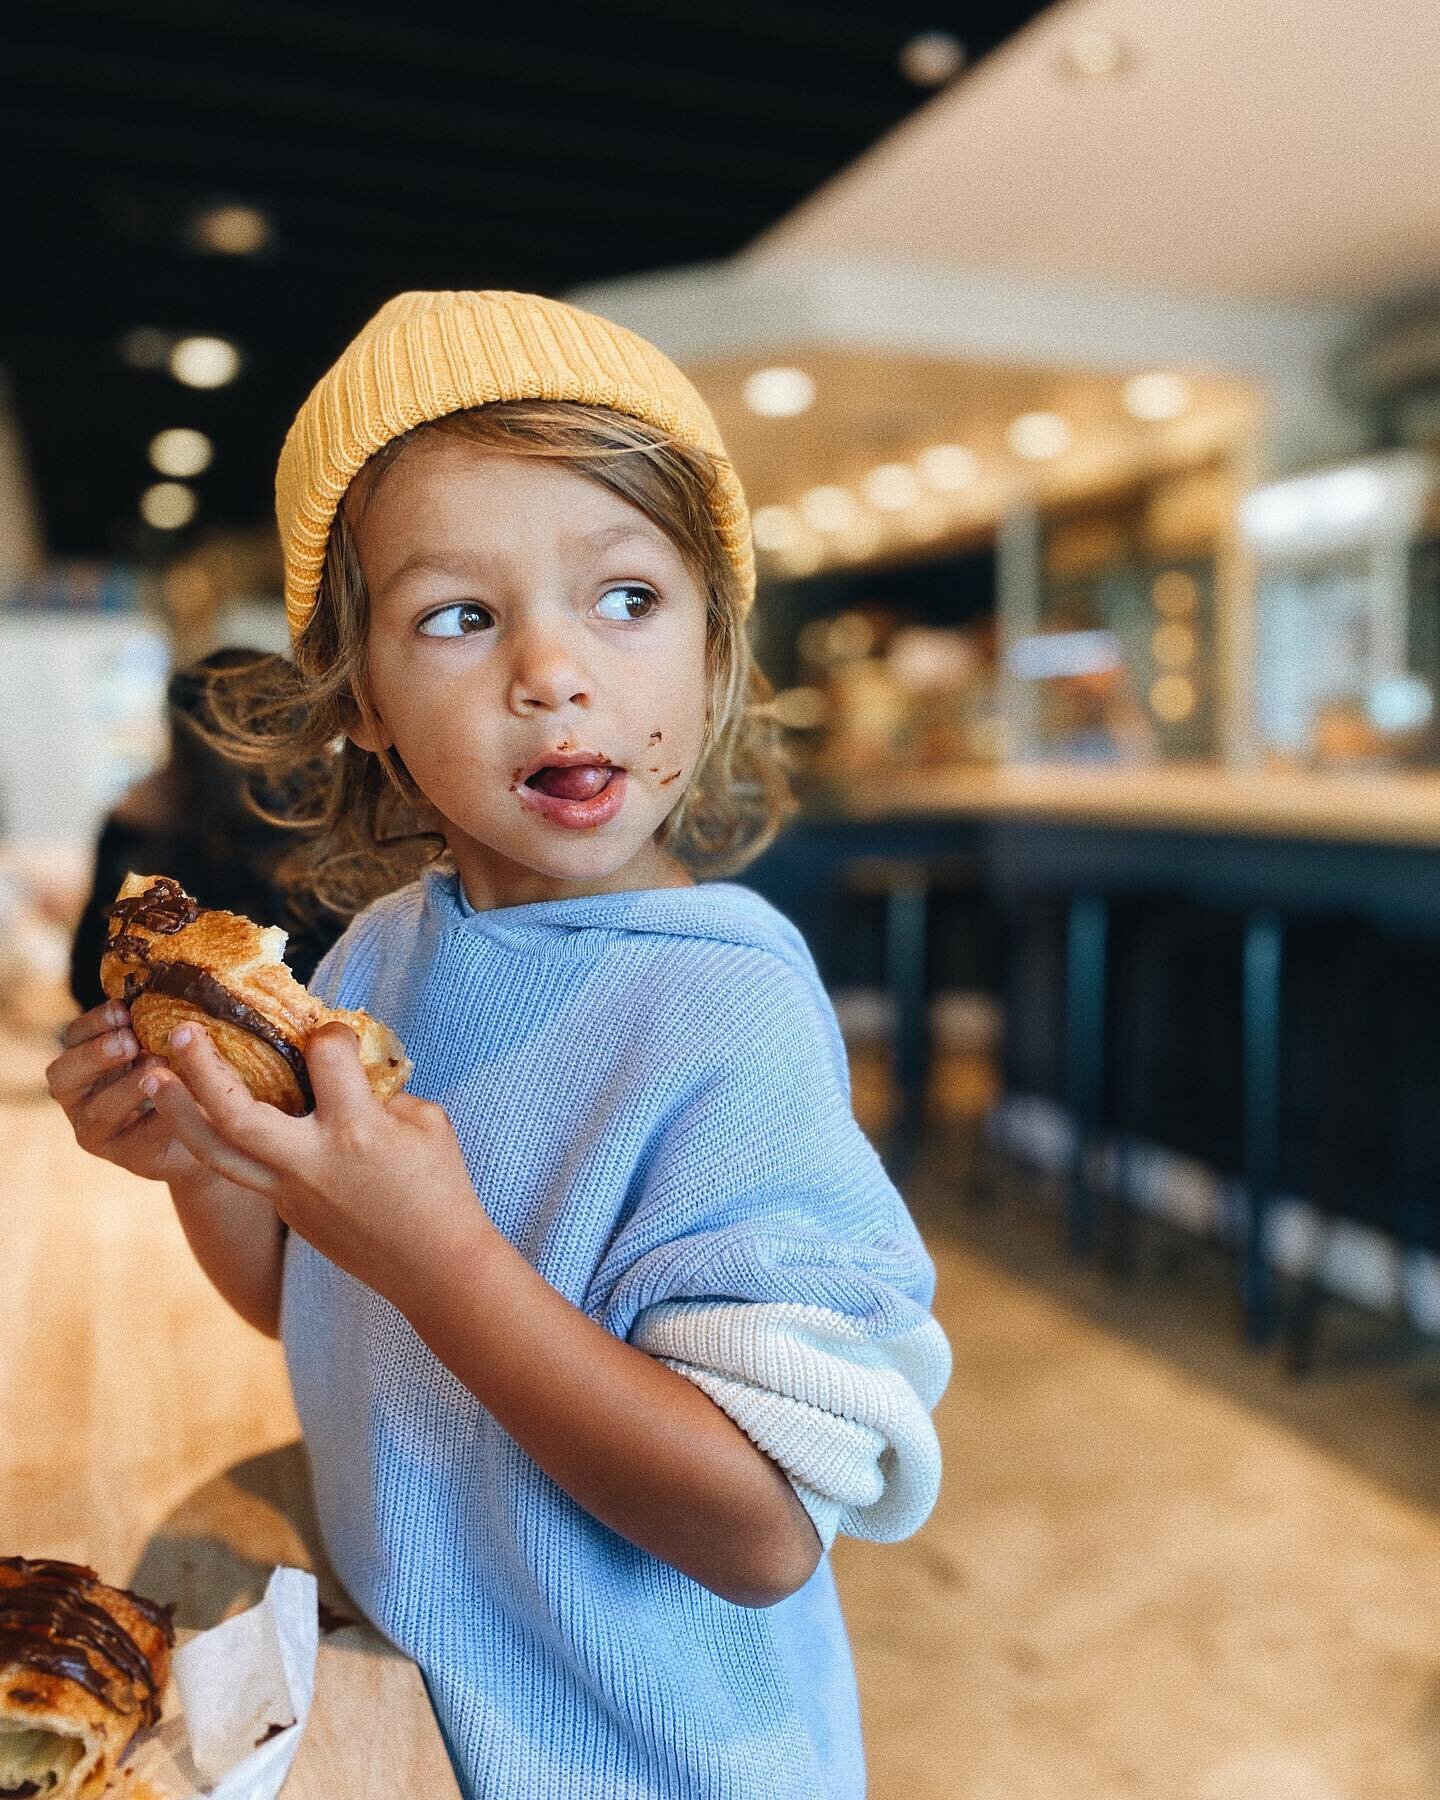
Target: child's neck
(490, 881)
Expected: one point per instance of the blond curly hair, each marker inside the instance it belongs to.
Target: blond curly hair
(367, 828)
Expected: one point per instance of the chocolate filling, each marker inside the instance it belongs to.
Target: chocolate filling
(47, 1623)
(165, 908)
(184, 981)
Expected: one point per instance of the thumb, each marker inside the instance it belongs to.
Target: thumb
(332, 1055)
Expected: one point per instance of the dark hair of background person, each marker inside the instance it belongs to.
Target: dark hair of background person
(190, 820)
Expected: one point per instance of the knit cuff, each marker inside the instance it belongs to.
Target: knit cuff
(844, 1414)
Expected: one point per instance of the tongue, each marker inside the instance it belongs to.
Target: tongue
(581, 783)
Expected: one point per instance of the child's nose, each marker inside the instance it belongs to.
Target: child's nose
(546, 674)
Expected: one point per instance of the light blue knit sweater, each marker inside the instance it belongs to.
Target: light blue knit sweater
(652, 1100)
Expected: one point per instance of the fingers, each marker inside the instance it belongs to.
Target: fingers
(182, 1114)
(332, 1055)
(98, 1019)
(217, 1118)
(102, 1115)
(92, 1059)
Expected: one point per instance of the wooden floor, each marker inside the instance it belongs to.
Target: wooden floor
(1135, 1585)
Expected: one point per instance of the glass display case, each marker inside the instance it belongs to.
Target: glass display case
(1347, 638)
(1109, 624)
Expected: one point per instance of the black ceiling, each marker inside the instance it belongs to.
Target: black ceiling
(393, 144)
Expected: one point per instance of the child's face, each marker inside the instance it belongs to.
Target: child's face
(537, 658)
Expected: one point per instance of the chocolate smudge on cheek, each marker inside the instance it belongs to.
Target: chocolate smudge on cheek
(665, 780)
(655, 737)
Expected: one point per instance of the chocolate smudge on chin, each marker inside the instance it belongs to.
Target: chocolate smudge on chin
(665, 780)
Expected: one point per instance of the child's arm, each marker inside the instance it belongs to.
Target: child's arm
(98, 1080)
(634, 1443)
(383, 1191)
(238, 1240)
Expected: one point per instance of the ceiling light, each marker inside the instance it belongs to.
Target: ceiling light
(204, 362)
(168, 505)
(230, 230)
(779, 393)
(1172, 698)
(1038, 436)
(931, 58)
(1157, 397)
(181, 452)
(146, 347)
(828, 508)
(1095, 56)
(948, 467)
(892, 487)
(775, 528)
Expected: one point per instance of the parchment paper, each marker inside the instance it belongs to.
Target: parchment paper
(228, 1689)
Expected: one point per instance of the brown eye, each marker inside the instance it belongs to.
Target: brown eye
(628, 601)
(463, 619)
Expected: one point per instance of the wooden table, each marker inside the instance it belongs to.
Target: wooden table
(150, 1432)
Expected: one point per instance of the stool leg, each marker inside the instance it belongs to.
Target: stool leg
(905, 909)
(1263, 955)
(1086, 932)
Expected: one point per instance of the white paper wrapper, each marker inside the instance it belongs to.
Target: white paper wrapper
(227, 1688)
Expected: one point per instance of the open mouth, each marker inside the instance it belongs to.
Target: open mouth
(578, 789)
(582, 781)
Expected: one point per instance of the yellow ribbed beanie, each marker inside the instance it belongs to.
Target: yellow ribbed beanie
(427, 354)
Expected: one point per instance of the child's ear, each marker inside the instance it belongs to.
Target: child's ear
(366, 729)
(368, 736)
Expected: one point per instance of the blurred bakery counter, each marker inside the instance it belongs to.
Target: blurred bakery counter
(1239, 969)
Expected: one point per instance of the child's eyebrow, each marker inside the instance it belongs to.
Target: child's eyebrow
(426, 561)
(608, 536)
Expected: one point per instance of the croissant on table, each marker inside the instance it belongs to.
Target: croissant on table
(172, 960)
(82, 1669)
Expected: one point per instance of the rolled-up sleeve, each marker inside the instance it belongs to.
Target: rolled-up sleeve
(769, 1260)
(844, 1414)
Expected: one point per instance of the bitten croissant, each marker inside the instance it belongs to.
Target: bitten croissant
(173, 960)
(82, 1669)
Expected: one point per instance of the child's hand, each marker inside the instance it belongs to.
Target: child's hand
(371, 1184)
(96, 1080)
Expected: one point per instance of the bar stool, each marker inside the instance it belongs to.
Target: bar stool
(908, 889)
(1172, 1032)
(1368, 1144)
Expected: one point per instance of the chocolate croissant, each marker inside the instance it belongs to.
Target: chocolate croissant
(173, 960)
(82, 1669)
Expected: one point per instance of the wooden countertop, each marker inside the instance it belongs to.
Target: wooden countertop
(1358, 808)
(150, 1433)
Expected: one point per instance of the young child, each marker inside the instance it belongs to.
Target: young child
(602, 1330)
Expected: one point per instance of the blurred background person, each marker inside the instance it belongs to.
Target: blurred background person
(190, 819)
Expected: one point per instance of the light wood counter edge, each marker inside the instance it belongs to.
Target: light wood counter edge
(1401, 810)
